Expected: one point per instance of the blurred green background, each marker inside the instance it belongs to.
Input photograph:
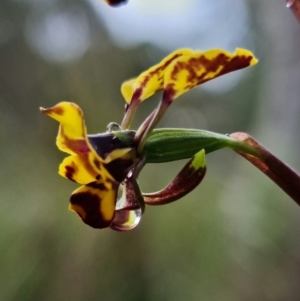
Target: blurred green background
(235, 237)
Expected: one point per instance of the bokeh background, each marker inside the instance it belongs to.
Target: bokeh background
(235, 237)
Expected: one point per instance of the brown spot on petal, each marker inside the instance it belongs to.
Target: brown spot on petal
(89, 204)
(169, 93)
(58, 110)
(236, 63)
(97, 164)
(157, 71)
(136, 95)
(201, 69)
(195, 64)
(78, 146)
(114, 184)
(97, 185)
(119, 168)
(69, 173)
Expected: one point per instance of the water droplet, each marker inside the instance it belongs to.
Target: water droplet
(130, 174)
(121, 202)
(128, 210)
(112, 127)
(126, 220)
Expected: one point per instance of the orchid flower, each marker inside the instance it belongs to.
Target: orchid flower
(109, 162)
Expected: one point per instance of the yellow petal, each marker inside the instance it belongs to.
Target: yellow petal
(95, 203)
(72, 136)
(150, 81)
(127, 89)
(188, 71)
(84, 165)
(84, 169)
(78, 169)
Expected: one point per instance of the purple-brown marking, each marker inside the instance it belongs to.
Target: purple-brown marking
(158, 70)
(58, 110)
(97, 163)
(169, 93)
(97, 185)
(238, 62)
(69, 172)
(78, 146)
(185, 182)
(209, 65)
(90, 204)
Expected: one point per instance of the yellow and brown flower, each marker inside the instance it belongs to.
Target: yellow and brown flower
(95, 201)
(104, 162)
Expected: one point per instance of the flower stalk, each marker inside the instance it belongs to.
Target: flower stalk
(281, 174)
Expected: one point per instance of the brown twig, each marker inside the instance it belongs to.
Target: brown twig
(286, 178)
(294, 6)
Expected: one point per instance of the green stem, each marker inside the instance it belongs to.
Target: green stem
(130, 113)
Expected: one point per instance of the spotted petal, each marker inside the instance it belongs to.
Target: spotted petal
(150, 81)
(79, 169)
(184, 69)
(84, 165)
(188, 71)
(72, 136)
(95, 203)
